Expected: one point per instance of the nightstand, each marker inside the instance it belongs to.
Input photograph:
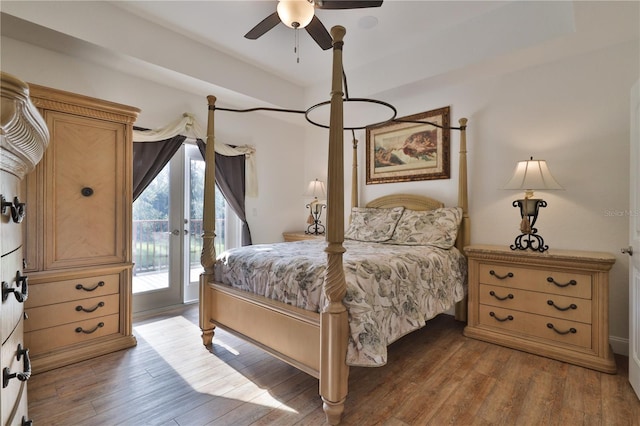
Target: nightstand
(300, 235)
(554, 304)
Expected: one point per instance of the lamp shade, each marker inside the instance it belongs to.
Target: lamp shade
(295, 13)
(532, 174)
(316, 189)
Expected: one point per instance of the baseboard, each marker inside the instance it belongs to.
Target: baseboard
(619, 345)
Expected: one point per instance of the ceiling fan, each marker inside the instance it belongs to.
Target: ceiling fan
(300, 14)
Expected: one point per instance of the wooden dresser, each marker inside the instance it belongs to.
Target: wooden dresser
(300, 236)
(78, 231)
(554, 304)
(23, 139)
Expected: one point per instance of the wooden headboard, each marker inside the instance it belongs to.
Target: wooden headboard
(408, 201)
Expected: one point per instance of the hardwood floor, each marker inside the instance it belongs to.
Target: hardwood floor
(434, 376)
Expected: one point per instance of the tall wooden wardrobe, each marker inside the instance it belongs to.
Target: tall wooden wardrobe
(23, 139)
(78, 231)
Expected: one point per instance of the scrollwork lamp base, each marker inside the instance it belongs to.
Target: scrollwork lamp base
(529, 239)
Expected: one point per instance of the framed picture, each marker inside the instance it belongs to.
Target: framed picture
(406, 150)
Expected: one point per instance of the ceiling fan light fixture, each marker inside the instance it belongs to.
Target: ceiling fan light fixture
(295, 13)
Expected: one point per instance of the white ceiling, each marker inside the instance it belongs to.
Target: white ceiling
(199, 45)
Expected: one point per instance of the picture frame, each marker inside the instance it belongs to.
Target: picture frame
(408, 149)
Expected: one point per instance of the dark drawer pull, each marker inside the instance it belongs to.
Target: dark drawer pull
(501, 277)
(571, 306)
(26, 367)
(551, 280)
(81, 287)
(571, 330)
(508, 318)
(22, 294)
(26, 422)
(81, 330)
(16, 208)
(508, 296)
(80, 308)
(86, 191)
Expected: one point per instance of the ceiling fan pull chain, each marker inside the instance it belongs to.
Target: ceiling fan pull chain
(296, 47)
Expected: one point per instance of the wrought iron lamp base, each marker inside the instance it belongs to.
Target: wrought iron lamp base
(529, 239)
(315, 224)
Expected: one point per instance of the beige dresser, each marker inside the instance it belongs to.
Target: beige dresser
(300, 236)
(554, 304)
(23, 139)
(78, 231)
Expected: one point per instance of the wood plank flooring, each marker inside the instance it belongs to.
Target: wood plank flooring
(435, 376)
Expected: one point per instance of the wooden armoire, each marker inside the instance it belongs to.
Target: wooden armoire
(77, 240)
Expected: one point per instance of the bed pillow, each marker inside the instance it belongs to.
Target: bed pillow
(373, 225)
(437, 227)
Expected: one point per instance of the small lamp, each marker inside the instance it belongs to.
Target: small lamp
(529, 175)
(317, 190)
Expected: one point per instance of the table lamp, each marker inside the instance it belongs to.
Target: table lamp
(317, 190)
(530, 175)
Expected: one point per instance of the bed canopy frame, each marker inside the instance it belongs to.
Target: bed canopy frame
(313, 342)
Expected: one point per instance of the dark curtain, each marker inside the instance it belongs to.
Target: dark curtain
(149, 158)
(230, 179)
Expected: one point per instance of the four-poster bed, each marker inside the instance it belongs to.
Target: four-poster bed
(313, 341)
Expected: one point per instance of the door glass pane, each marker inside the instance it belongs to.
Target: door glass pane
(151, 236)
(196, 194)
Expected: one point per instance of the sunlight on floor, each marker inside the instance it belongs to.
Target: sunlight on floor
(226, 365)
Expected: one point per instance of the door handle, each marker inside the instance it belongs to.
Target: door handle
(175, 232)
(627, 250)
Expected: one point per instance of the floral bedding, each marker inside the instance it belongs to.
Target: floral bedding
(391, 289)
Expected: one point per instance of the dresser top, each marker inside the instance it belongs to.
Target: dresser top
(504, 253)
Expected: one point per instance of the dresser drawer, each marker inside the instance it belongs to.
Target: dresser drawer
(48, 339)
(76, 289)
(551, 305)
(11, 307)
(546, 281)
(524, 324)
(14, 396)
(74, 311)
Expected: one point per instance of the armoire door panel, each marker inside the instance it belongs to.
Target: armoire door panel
(83, 198)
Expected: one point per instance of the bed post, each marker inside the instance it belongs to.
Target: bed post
(334, 328)
(463, 202)
(208, 254)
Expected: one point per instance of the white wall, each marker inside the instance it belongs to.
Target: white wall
(574, 113)
(279, 144)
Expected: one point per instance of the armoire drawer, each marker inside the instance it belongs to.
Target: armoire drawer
(546, 281)
(54, 292)
(48, 339)
(14, 293)
(14, 395)
(551, 305)
(73, 311)
(523, 323)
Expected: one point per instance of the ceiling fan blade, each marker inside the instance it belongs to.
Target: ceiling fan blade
(319, 33)
(346, 4)
(265, 25)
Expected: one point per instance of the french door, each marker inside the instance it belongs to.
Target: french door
(167, 230)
